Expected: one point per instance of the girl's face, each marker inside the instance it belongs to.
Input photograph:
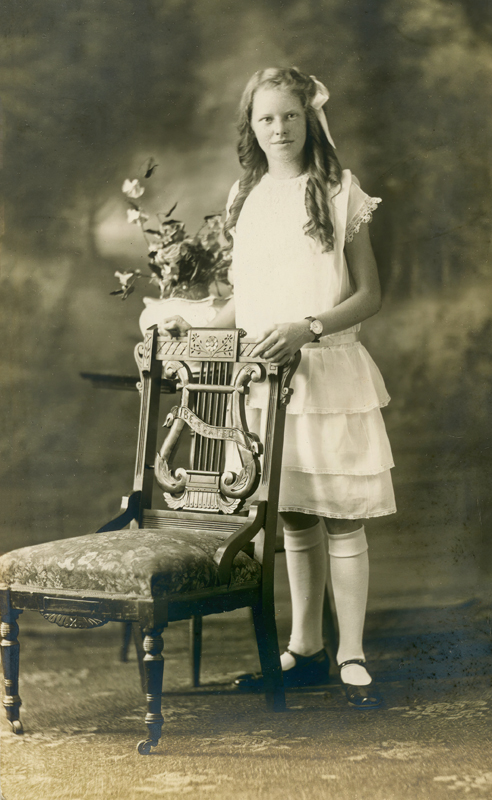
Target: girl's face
(278, 121)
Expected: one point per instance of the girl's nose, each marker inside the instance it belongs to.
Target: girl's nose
(280, 126)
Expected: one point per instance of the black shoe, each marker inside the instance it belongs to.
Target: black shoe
(307, 671)
(360, 696)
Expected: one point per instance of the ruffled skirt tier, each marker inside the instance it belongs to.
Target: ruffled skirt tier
(337, 457)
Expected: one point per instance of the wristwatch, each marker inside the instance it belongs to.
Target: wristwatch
(316, 328)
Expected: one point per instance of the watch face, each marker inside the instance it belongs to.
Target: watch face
(316, 327)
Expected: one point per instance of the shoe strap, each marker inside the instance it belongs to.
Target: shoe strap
(359, 661)
(302, 659)
(296, 656)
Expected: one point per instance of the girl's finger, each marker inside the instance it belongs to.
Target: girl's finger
(170, 323)
(264, 345)
(274, 350)
(276, 359)
(260, 350)
(176, 326)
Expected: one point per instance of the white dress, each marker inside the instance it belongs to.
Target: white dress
(337, 457)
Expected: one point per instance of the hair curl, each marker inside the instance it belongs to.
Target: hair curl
(320, 163)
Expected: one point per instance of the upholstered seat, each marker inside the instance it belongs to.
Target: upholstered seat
(136, 563)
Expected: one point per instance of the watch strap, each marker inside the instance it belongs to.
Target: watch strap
(317, 336)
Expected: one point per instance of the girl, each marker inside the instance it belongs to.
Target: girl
(305, 278)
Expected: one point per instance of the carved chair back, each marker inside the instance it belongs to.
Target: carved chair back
(214, 370)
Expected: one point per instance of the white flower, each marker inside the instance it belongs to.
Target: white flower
(133, 216)
(214, 222)
(172, 251)
(132, 189)
(124, 277)
(160, 258)
(171, 231)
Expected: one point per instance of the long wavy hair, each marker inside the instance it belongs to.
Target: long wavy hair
(320, 161)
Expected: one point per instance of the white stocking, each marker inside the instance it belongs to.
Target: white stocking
(306, 565)
(349, 566)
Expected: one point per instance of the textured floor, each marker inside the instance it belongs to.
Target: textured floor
(83, 715)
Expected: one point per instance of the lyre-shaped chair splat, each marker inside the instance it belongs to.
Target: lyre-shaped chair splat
(213, 408)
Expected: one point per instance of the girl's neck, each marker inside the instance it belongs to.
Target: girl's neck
(285, 171)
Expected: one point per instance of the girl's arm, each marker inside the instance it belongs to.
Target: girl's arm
(281, 342)
(177, 326)
(226, 318)
(366, 299)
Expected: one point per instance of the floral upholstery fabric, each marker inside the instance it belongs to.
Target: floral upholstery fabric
(136, 563)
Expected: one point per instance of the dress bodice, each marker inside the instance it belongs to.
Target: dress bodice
(280, 273)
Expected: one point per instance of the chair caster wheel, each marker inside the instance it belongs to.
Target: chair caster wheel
(16, 726)
(143, 747)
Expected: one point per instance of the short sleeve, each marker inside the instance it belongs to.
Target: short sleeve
(360, 208)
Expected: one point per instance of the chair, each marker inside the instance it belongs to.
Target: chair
(184, 561)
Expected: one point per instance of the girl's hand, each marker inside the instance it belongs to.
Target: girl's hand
(173, 327)
(281, 343)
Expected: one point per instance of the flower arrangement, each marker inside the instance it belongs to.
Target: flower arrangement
(181, 265)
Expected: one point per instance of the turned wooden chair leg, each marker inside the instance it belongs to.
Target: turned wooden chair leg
(138, 641)
(10, 648)
(154, 671)
(196, 626)
(268, 650)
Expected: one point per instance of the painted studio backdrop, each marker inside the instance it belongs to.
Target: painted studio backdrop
(92, 88)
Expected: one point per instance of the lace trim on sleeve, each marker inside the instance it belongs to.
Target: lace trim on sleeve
(364, 214)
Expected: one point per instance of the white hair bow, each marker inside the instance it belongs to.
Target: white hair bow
(318, 101)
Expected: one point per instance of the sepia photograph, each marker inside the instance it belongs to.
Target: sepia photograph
(246, 400)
